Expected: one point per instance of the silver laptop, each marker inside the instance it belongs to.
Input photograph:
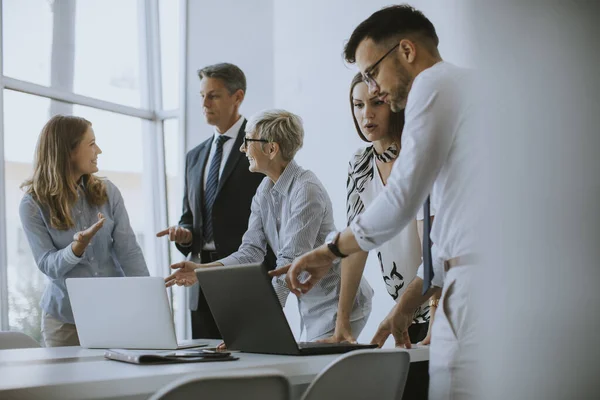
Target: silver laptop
(127, 313)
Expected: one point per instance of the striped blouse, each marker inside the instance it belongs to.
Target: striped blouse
(400, 257)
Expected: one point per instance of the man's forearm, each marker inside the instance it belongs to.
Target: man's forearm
(412, 298)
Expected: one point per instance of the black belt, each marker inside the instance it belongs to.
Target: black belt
(207, 256)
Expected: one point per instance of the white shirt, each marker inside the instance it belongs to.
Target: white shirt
(437, 147)
(227, 148)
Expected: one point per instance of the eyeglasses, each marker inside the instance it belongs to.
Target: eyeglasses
(368, 78)
(246, 140)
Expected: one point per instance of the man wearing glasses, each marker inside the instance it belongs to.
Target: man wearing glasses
(396, 51)
(218, 187)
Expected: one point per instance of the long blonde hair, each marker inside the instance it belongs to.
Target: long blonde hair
(52, 184)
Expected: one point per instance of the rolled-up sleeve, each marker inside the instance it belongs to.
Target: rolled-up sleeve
(54, 263)
(125, 247)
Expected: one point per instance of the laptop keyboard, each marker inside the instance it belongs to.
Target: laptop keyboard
(307, 345)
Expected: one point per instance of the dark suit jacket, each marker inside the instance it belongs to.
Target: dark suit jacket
(231, 209)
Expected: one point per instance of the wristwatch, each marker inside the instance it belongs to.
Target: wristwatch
(331, 243)
(434, 303)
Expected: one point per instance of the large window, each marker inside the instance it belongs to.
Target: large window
(107, 50)
(27, 39)
(96, 59)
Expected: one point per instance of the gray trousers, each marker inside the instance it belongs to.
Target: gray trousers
(56, 333)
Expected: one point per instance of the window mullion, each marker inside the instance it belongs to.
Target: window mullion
(154, 157)
(62, 63)
(3, 238)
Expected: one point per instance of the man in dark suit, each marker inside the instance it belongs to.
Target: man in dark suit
(218, 186)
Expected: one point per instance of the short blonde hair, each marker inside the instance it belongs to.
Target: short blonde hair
(281, 127)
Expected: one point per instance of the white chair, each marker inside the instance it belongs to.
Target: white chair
(362, 374)
(16, 340)
(247, 385)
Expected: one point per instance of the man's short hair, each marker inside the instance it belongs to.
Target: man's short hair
(281, 127)
(231, 75)
(389, 23)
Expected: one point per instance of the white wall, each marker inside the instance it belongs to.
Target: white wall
(311, 79)
(539, 317)
(239, 32)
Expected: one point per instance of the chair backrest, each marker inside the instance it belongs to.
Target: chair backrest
(248, 385)
(16, 340)
(362, 374)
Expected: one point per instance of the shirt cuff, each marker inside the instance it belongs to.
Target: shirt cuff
(230, 260)
(360, 235)
(70, 257)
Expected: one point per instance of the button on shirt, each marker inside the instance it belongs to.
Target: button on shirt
(294, 216)
(227, 149)
(113, 251)
(437, 148)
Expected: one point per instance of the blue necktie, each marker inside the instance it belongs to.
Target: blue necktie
(212, 184)
(427, 264)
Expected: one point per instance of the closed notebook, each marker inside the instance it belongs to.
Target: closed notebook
(145, 357)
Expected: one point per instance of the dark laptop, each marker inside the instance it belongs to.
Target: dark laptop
(249, 317)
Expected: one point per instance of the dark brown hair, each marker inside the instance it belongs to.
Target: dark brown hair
(391, 23)
(396, 122)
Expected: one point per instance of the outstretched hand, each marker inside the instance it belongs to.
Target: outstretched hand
(84, 237)
(184, 276)
(316, 264)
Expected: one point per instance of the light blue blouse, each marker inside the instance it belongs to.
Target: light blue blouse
(112, 252)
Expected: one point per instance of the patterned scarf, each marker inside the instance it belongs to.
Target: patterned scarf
(389, 155)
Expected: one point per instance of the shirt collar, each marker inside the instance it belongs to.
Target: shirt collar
(291, 171)
(231, 132)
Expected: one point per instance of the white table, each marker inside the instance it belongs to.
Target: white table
(77, 373)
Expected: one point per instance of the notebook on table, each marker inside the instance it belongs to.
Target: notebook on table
(144, 357)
